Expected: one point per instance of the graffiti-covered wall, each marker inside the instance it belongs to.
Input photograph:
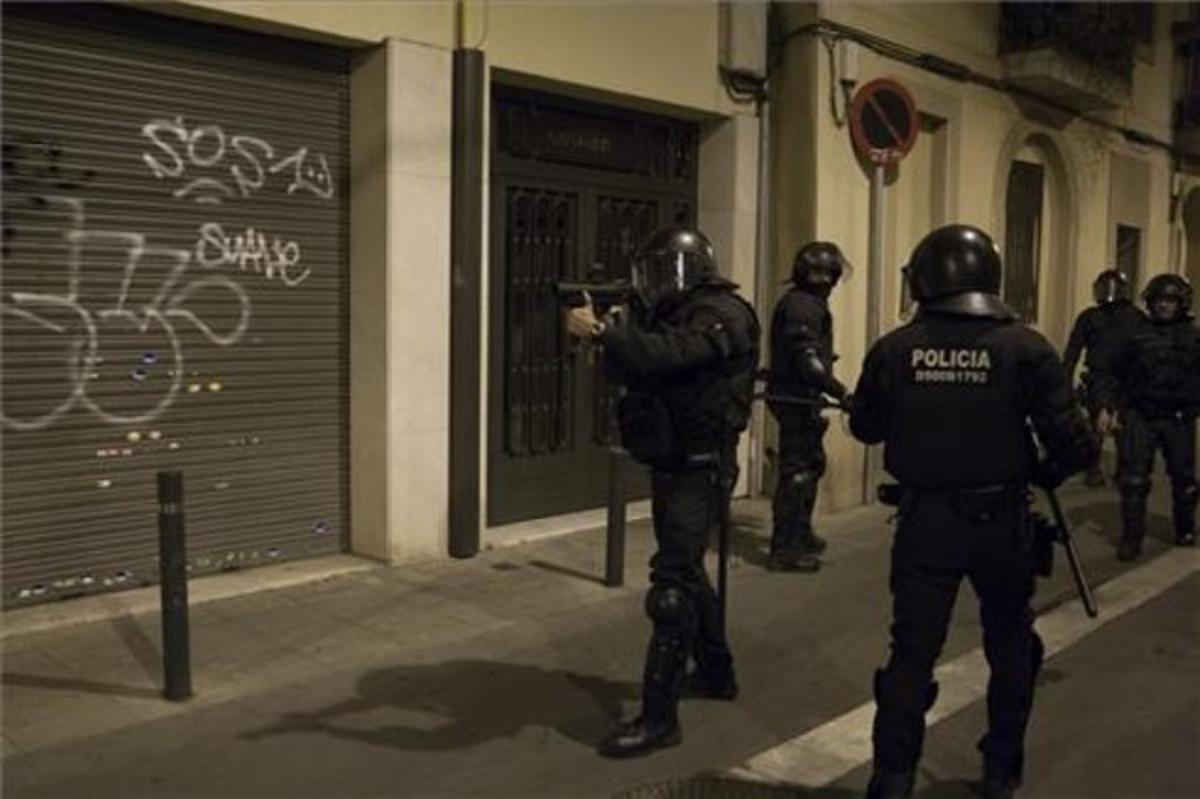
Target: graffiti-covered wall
(172, 297)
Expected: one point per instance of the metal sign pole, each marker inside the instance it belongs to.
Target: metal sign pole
(883, 128)
(874, 284)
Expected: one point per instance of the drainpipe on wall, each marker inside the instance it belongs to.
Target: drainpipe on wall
(466, 277)
(762, 285)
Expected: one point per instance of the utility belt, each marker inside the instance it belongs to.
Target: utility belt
(979, 504)
(651, 436)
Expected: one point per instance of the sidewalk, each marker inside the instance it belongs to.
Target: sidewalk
(518, 657)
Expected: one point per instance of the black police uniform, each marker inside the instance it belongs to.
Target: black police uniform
(801, 329)
(1097, 331)
(949, 394)
(688, 371)
(1153, 382)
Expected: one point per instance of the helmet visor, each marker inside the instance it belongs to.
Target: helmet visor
(659, 275)
(1166, 307)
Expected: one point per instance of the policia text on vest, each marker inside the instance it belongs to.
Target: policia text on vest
(951, 366)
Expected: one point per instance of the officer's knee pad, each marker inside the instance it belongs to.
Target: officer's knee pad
(1137, 486)
(804, 480)
(668, 605)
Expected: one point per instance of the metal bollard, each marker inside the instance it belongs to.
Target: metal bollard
(614, 556)
(172, 574)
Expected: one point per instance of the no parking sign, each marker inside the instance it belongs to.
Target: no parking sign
(883, 121)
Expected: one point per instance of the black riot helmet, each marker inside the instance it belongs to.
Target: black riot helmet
(1111, 286)
(818, 266)
(1168, 287)
(956, 269)
(672, 262)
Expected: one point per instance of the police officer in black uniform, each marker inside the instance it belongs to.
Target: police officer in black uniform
(1150, 393)
(949, 395)
(801, 373)
(687, 358)
(1096, 330)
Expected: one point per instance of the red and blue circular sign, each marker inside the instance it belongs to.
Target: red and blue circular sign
(883, 121)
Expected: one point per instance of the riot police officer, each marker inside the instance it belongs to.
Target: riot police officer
(1096, 330)
(1150, 393)
(801, 372)
(949, 395)
(687, 358)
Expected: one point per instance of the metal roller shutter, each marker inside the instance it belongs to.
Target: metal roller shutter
(173, 296)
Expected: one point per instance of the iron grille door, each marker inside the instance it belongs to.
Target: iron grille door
(173, 296)
(573, 185)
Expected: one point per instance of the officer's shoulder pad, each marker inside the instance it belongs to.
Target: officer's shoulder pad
(803, 302)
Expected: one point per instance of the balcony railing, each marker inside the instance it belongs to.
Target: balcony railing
(1102, 35)
(1080, 55)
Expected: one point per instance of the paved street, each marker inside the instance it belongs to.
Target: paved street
(496, 677)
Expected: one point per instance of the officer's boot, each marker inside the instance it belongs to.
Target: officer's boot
(792, 541)
(1184, 512)
(886, 784)
(897, 734)
(1133, 517)
(1004, 762)
(713, 677)
(669, 607)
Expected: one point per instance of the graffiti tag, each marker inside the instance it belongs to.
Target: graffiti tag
(162, 303)
(250, 251)
(248, 161)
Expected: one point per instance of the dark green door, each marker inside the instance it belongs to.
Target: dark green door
(572, 186)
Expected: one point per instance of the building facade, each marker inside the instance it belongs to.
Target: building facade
(305, 252)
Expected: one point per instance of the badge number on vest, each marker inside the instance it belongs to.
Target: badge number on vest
(953, 366)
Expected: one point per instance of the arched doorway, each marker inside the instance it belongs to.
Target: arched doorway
(1191, 232)
(1038, 235)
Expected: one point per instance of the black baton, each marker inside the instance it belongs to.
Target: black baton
(723, 550)
(786, 399)
(1064, 538)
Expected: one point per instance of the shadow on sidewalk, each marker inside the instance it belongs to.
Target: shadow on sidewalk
(462, 703)
(142, 648)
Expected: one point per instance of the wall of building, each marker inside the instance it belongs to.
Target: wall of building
(661, 51)
(351, 21)
(822, 190)
(657, 55)
(400, 301)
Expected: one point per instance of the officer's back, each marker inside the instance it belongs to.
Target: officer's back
(950, 393)
(959, 389)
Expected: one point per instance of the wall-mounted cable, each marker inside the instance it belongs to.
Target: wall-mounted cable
(828, 30)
